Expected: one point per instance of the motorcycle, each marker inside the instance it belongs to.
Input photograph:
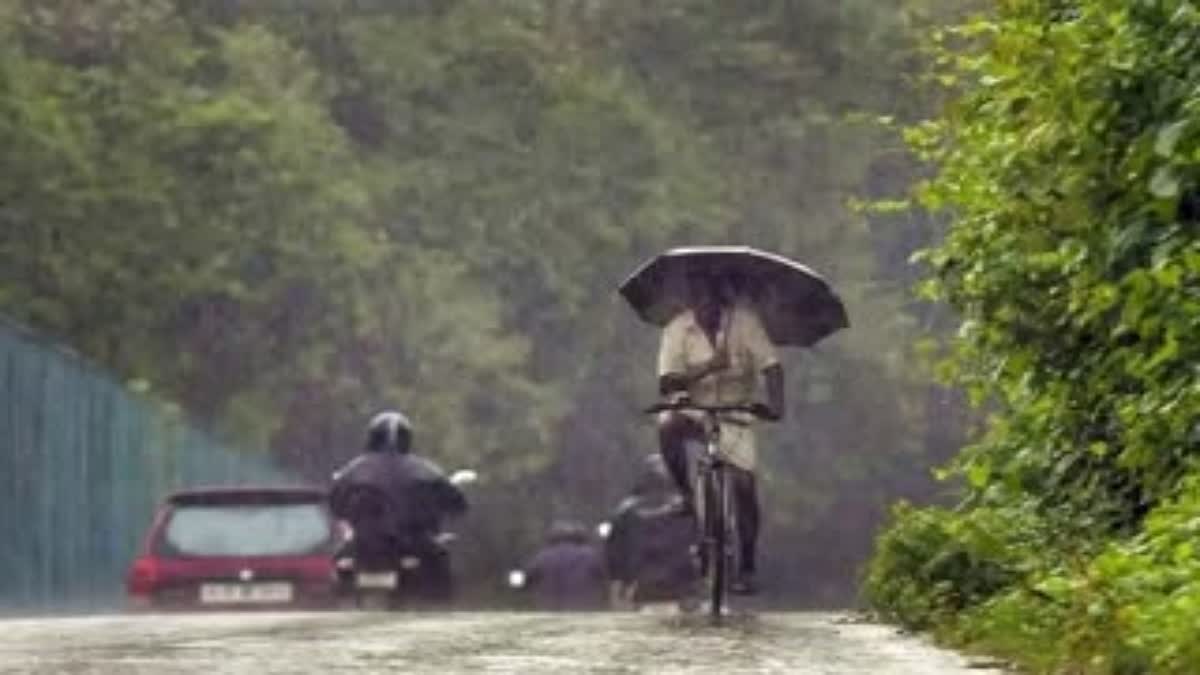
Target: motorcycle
(383, 572)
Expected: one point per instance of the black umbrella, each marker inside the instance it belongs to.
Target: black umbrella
(796, 305)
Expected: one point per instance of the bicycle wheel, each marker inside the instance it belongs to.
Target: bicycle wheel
(733, 539)
(716, 536)
(698, 476)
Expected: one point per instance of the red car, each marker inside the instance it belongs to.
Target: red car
(238, 547)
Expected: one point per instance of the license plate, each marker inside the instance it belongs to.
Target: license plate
(376, 580)
(245, 593)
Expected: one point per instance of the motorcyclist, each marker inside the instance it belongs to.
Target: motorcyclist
(416, 498)
(716, 352)
(649, 545)
(568, 573)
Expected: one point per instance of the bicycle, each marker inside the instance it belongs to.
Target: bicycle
(719, 548)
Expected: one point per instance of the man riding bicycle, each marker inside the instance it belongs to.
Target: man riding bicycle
(716, 352)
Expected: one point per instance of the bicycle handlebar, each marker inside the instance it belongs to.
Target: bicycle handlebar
(656, 408)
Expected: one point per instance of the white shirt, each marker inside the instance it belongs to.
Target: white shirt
(685, 347)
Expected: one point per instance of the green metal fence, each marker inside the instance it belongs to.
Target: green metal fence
(83, 464)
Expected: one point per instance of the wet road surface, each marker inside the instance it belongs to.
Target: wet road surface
(268, 644)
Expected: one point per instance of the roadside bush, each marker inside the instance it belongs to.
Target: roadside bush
(932, 563)
(1132, 608)
(1067, 163)
(1151, 585)
(1018, 624)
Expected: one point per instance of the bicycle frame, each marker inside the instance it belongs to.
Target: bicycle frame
(718, 546)
(708, 473)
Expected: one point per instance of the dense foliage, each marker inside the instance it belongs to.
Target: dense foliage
(1068, 161)
(285, 215)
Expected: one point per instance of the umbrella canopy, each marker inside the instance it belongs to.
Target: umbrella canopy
(796, 305)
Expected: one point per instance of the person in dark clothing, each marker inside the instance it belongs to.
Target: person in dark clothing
(568, 573)
(649, 549)
(396, 502)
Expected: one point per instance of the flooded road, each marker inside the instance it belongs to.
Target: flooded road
(267, 644)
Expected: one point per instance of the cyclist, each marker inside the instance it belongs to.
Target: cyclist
(419, 497)
(716, 352)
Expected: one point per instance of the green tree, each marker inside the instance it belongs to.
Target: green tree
(287, 215)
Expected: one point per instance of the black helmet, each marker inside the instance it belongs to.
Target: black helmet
(389, 430)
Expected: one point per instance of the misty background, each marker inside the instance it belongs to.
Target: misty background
(269, 219)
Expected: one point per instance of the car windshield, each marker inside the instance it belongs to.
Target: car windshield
(247, 530)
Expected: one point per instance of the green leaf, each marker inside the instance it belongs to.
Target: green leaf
(1168, 136)
(978, 473)
(1167, 352)
(1164, 184)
